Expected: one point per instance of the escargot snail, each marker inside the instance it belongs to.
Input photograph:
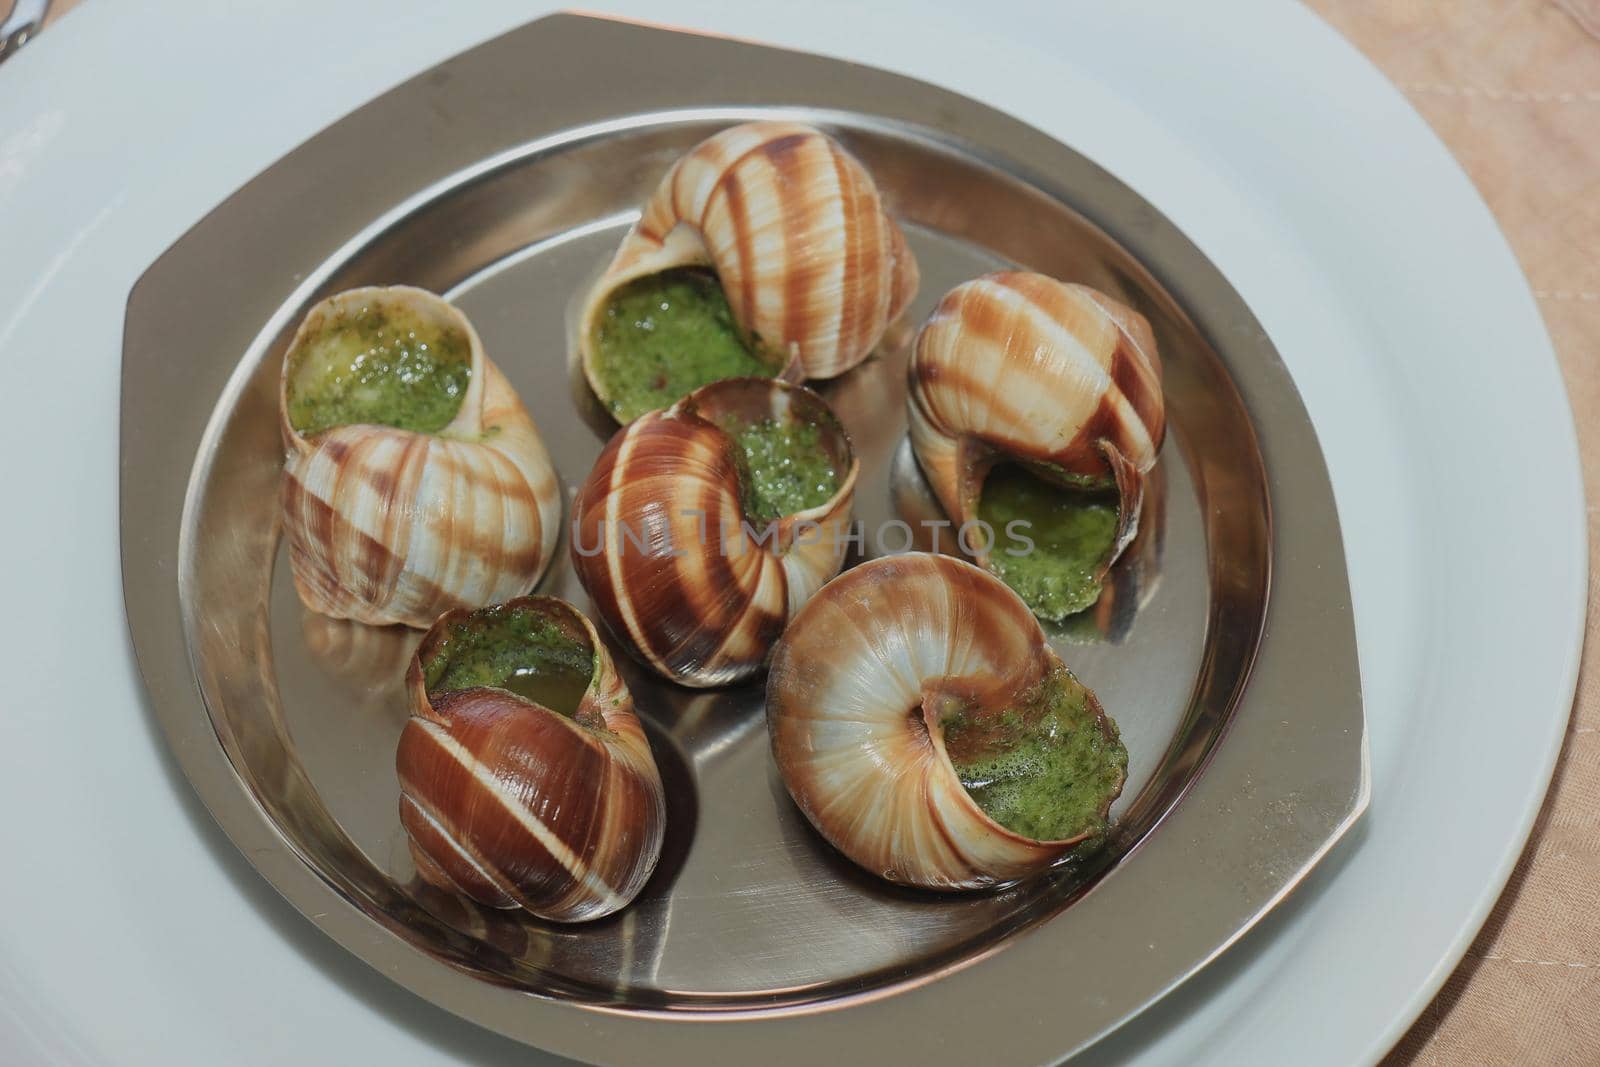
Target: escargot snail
(926, 729)
(1032, 402)
(703, 527)
(765, 250)
(525, 777)
(416, 481)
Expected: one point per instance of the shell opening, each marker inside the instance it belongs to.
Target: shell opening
(1050, 541)
(1045, 764)
(784, 470)
(525, 648)
(659, 337)
(791, 451)
(379, 360)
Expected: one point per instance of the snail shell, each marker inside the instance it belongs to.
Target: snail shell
(693, 585)
(1019, 366)
(389, 525)
(813, 267)
(852, 703)
(513, 804)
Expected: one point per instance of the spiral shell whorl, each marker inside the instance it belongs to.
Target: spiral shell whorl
(808, 257)
(845, 704)
(661, 544)
(388, 525)
(514, 805)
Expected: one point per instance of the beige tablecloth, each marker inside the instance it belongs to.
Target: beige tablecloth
(1513, 87)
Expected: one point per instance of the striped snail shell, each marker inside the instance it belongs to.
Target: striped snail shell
(395, 523)
(526, 780)
(813, 267)
(868, 688)
(687, 564)
(1017, 366)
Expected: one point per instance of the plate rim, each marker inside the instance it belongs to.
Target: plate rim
(1402, 128)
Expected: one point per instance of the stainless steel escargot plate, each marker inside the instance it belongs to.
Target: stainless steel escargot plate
(517, 174)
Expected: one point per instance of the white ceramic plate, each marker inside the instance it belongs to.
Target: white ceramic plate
(131, 931)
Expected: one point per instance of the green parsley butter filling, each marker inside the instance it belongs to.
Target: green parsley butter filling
(661, 337)
(784, 468)
(1045, 767)
(1072, 531)
(515, 648)
(379, 364)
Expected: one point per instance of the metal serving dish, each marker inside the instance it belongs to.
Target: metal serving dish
(507, 191)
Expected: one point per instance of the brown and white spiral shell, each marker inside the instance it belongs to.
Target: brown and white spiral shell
(392, 526)
(813, 266)
(1018, 366)
(515, 805)
(850, 706)
(691, 585)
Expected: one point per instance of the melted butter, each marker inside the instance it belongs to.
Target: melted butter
(1044, 767)
(517, 649)
(379, 364)
(1072, 532)
(665, 335)
(786, 470)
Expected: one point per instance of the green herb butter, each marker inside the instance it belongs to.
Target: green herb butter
(1044, 767)
(1071, 530)
(663, 336)
(785, 468)
(379, 364)
(517, 649)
